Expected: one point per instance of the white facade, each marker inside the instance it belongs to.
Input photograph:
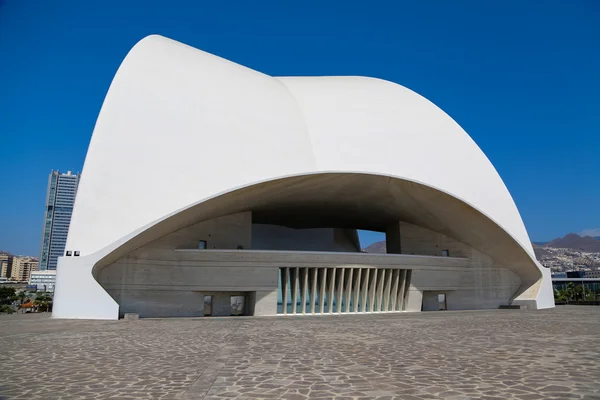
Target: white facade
(217, 136)
(44, 280)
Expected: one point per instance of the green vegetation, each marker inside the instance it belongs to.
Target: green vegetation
(43, 302)
(22, 296)
(573, 293)
(11, 301)
(7, 295)
(6, 309)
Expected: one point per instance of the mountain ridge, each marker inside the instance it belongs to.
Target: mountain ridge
(589, 244)
(574, 241)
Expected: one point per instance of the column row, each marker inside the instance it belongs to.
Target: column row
(342, 290)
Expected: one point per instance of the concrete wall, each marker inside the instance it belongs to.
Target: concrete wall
(227, 232)
(275, 237)
(265, 302)
(393, 239)
(430, 301)
(481, 283)
(150, 303)
(175, 287)
(169, 277)
(158, 281)
(159, 303)
(221, 303)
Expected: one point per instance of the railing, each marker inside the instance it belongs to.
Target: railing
(342, 290)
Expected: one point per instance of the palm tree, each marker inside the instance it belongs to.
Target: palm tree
(43, 302)
(570, 291)
(559, 295)
(22, 296)
(566, 294)
(583, 292)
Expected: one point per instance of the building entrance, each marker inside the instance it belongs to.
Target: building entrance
(224, 304)
(238, 305)
(434, 301)
(442, 301)
(208, 306)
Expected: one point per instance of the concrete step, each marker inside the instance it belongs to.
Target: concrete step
(511, 307)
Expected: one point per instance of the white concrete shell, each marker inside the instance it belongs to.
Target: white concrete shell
(180, 127)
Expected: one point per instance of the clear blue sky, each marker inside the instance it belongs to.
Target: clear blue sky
(521, 77)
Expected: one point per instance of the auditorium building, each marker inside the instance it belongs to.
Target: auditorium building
(211, 189)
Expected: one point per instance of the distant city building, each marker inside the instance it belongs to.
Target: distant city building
(43, 280)
(6, 265)
(22, 268)
(60, 198)
(592, 274)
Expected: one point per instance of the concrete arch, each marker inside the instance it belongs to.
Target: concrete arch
(377, 196)
(364, 201)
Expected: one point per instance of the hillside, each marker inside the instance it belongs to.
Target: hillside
(376, 248)
(574, 241)
(541, 252)
(570, 241)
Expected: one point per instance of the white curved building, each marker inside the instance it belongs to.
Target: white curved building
(208, 184)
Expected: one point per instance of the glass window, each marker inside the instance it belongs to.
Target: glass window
(446, 253)
(202, 245)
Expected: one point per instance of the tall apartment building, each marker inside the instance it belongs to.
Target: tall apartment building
(22, 268)
(6, 265)
(60, 198)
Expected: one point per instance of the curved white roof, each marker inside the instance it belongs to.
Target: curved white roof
(184, 136)
(179, 125)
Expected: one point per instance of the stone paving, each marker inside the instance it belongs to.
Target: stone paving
(495, 354)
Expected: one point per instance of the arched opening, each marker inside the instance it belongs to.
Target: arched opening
(292, 227)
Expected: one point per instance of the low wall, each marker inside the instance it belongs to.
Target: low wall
(173, 282)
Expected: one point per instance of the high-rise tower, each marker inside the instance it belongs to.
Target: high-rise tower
(60, 198)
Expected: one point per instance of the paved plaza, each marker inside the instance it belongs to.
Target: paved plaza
(495, 354)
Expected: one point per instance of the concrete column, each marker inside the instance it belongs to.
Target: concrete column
(322, 291)
(340, 290)
(349, 289)
(295, 288)
(304, 289)
(380, 288)
(365, 291)
(401, 289)
(413, 300)
(357, 289)
(265, 302)
(331, 291)
(395, 274)
(413, 297)
(372, 290)
(392, 239)
(407, 294)
(388, 290)
(313, 291)
(285, 285)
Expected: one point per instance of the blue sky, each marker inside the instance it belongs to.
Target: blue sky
(521, 77)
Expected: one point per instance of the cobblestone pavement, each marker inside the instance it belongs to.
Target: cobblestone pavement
(496, 354)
